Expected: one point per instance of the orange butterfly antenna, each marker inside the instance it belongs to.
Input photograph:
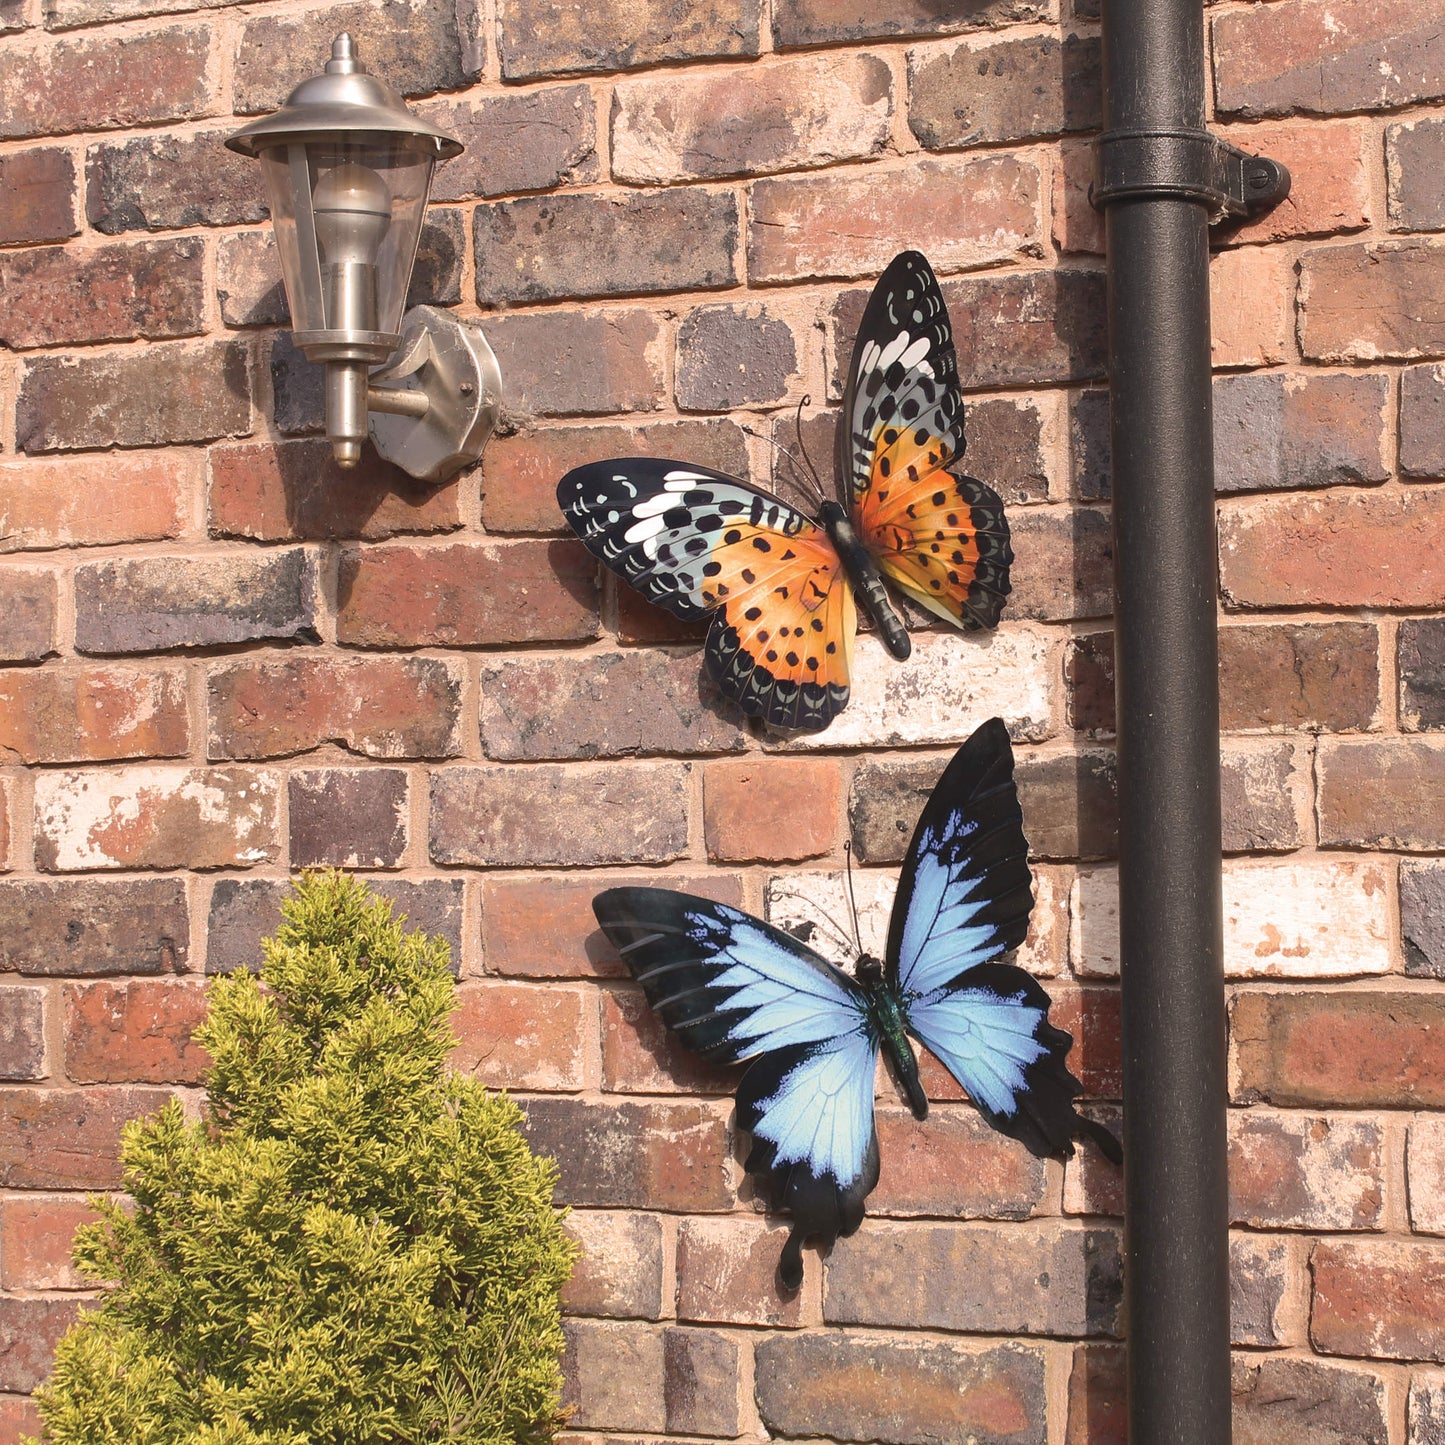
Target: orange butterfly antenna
(797, 473)
(806, 400)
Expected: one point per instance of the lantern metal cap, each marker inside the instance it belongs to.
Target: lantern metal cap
(343, 101)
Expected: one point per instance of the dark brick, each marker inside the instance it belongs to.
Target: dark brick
(1281, 432)
(144, 604)
(633, 1156)
(818, 22)
(1299, 57)
(1259, 1272)
(163, 182)
(1004, 90)
(173, 392)
(88, 927)
(68, 1138)
(551, 816)
(27, 613)
(1006, 448)
(348, 817)
(417, 46)
(243, 911)
(22, 1032)
(70, 14)
(1383, 794)
(606, 705)
(1259, 796)
(106, 82)
(1414, 159)
(1378, 1298)
(1422, 673)
(1306, 1403)
(735, 356)
(29, 1331)
(906, 1392)
(152, 289)
(555, 37)
(93, 714)
(619, 1271)
(700, 1382)
(298, 389)
(1372, 302)
(1064, 563)
(546, 248)
(1427, 1410)
(1422, 421)
(37, 196)
(13, 17)
(1422, 918)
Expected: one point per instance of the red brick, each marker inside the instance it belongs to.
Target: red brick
(520, 472)
(106, 82)
(727, 1273)
(736, 356)
(639, 621)
(574, 246)
(669, 1156)
(800, 113)
(1091, 1016)
(554, 816)
(19, 1414)
(771, 809)
(380, 707)
(1420, 650)
(137, 1031)
(68, 1138)
(29, 1332)
(467, 595)
(1064, 563)
(701, 1370)
(1305, 1171)
(7, 794)
(1339, 549)
(27, 613)
(93, 714)
(155, 817)
(813, 22)
(1311, 56)
(163, 182)
(639, 1056)
(347, 817)
(1098, 1403)
(178, 391)
(1422, 422)
(36, 1232)
(1077, 226)
(523, 1035)
(1380, 1298)
(1414, 156)
(565, 363)
(1308, 1403)
(37, 196)
(1251, 307)
(1383, 794)
(614, 1376)
(964, 213)
(92, 501)
(1353, 1050)
(621, 34)
(22, 1032)
(545, 927)
(1372, 301)
(619, 1270)
(80, 927)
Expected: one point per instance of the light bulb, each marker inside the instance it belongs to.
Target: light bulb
(352, 206)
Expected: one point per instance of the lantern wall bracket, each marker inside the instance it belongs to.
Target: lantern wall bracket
(1188, 164)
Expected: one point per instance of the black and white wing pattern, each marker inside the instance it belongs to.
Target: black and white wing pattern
(737, 990)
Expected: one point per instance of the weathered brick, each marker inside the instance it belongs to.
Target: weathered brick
(555, 38)
(380, 707)
(640, 1056)
(243, 911)
(965, 213)
(1379, 1298)
(1064, 563)
(522, 1035)
(175, 391)
(14, 15)
(1421, 655)
(815, 22)
(417, 46)
(907, 1392)
(7, 799)
(68, 1138)
(1028, 1279)
(143, 604)
(1307, 1403)
(93, 714)
(1260, 1272)
(569, 245)
(735, 356)
(348, 817)
(565, 363)
(1414, 157)
(1425, 1174)
(37, 196)
(700, 1382)
(1305, 1171)
(1372, 301)
(81, 927)
(38, 1230)
(550, 816)
(771, 809)
(22, 1033)
(1422, 918)
(134, 1031)
(92, 501)
(1422, 421)
(1426, 1408)
(619, 1270)
(613, 1376)
(727, 1273)
(106, 82)
(1383, 794)
(65, 297)
(604, 705)
(1309, 56)
(1251, 307)
(1353, 1050)
(1338, 549)
(1265, 797)
(634, 1156)
(984, 91)
(163, 182)
(155, 817)
(520, 472)
(467, 595)
(800, 113)
(1276, 432)
(545, 927)
(29, 1332)
(27, 613)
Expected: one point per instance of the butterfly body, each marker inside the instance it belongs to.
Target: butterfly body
(866, 579)
(890, 1018)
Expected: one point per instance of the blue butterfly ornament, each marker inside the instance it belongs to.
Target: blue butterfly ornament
(737, 990)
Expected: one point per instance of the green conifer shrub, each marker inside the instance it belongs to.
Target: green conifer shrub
(353, 1245)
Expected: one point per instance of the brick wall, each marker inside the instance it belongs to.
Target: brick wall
(224, 660)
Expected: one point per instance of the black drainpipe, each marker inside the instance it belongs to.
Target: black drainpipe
(1161, 180)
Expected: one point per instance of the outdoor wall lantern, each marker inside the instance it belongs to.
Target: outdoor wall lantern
(348, 170)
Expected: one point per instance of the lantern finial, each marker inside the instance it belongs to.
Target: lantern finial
(343, 57)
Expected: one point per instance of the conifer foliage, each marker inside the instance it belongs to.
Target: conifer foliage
(354, 1244)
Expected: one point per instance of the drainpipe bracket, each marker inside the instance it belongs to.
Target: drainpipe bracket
(1189, 165)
